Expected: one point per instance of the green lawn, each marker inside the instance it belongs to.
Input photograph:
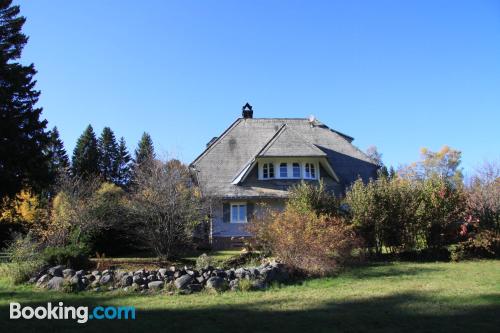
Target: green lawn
(391, 297)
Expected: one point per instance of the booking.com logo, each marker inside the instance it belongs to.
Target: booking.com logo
(81, 313)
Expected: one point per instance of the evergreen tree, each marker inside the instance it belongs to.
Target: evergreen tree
(22, 133)
(58, 159)
(85, 160)
(108, 154)
(145, 150)
(123, 165)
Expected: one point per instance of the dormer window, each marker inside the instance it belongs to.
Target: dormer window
(268, 171)
(283, 170)
(309, 171)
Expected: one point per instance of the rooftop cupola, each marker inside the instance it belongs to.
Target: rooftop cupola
(247, 111)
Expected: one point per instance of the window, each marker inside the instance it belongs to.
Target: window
(284, 170)
(310, 171)
(238, 213)
(296, 170)
(268, 171)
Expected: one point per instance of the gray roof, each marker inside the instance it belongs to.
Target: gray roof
(246, 139)
(287, 142)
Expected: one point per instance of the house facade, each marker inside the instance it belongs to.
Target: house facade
(255, 161)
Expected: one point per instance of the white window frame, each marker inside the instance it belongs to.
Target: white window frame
(276, 165)
(314, 165)
(238, 204)
(286, 170)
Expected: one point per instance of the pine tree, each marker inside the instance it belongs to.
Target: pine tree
(108, 154)
(145, 150)
(22, 133)
(123, 165)
(58, 159)
(85, 160)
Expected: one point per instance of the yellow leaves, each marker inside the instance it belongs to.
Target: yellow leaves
(25, 207)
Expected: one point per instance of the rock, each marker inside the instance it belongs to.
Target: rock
(139, 272)
(216, 283)
(151, 277)
(96, 273)
(200, 279)
(43, 280)
(156, 285)
(162, 271)
(195, 287)
(126, 281)
(106, 279)
(183, 281)
(68, 272)
(95, 284)
(172, 268)
(90, 277)
(80, 272)
(191, 272)
(240, 273)
(137, 279)
(77, 283)
(234, 284)
(135, 287)
(56, 283)
(56, 271)
(230, 274)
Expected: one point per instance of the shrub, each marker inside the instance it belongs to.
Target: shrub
(74, 256)
(315, 244)
(205, 260)
(25, 259)
(244, 285)
(485, 244)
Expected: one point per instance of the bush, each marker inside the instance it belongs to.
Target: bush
(485, 244)
(244, 285)
(25, 259)
(205, 260)
(312, 243)
(74, 256)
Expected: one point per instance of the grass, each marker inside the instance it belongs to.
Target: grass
(382, 297)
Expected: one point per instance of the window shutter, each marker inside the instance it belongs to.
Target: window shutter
(226, 213)
(250, 207)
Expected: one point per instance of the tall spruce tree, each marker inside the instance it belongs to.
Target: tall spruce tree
(145, 150)
(22, 133)
(85, 160)
(58, 159)
(108, 155)
(123, 165)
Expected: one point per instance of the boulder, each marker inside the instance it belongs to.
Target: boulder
(106, 279)
(77, 283)
(68, 272)
(156, 285)
(56, 283)
(43, 280)
(96, 273)
(162, 271)
(183, 281)
(80, 272)
(234, 284)
(126, 281)
(216, 283)
(195, 287)
(56, 271)
(137, 279)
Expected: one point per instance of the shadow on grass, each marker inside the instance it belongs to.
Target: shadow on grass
(381, 270)
(409, 312)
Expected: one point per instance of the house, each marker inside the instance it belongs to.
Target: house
(257, 160)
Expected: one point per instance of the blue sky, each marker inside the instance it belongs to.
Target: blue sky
(396, 74)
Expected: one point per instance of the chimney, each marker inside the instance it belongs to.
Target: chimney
(247, 111)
